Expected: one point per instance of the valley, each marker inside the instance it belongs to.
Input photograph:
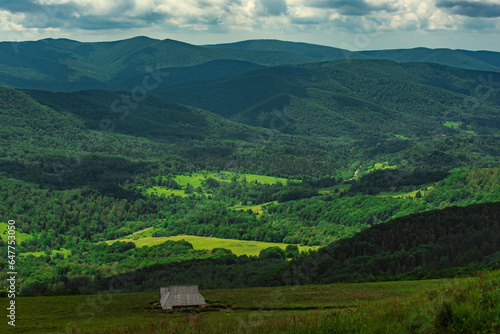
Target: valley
(303, 188)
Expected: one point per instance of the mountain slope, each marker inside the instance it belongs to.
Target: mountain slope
(318, 52)
(433, 240)
(74, 139)
(474, 60)
(151, 118)
(67, 65)
(352, 99)
(207, 71)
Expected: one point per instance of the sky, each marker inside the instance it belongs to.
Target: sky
(350, 24)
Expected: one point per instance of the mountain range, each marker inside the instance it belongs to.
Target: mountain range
(67, 65)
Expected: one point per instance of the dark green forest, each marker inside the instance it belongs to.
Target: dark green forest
(433, 244)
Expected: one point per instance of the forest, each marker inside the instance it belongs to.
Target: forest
(390, 169)
(450, 242)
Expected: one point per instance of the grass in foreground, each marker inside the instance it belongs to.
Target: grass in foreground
(298, 309)
(238, 247)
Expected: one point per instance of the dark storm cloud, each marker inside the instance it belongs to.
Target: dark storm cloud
(475, 24)
(471, 9)
(19, 6)
(305, 20)
(352, 7)
(73, 15)
(98, 22)
(273, 7)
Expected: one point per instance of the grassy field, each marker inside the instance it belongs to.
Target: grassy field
(255, 208)
(20, 237)
(402, 194)
(402, 137)
(196, 180)
(381, 165)
(238, 247)
(387, 307)
(453, 125)
(64, 252)
(167, 192)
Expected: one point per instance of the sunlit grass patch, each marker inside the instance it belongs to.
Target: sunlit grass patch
(62, 251)
(402, 137)
(167, 192)
(20, 237)
(403, 194)
(259, 208)
(381, 165)
(452, 125)
(238, 247)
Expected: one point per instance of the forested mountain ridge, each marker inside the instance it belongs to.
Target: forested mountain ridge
(206, 71)
(434, 240)
(46, 134)
(317, 52)
(353, 99)
(67, 65)
(474, 60)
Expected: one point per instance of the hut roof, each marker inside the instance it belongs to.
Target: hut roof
(180, 296)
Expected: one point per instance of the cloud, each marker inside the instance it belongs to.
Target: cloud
(87, 15)
(19, 6)
(353, 7)
(474, 24)
(273, 7)
(262, 17)
(471, 8)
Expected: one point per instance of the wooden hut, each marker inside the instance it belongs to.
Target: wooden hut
(179, 296)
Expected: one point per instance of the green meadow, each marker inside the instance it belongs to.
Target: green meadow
(402, 194)
(380, 165)
(196, 180)
(164, 191)
(20, 237)
(466, 305)
(402, 137)
(238, 247)
(453, 125)
(62, 251)
(259, 208)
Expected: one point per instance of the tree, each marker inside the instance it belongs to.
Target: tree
(272, 253)
(291, 251)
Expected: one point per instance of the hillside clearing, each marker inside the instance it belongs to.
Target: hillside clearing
(238, 247)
